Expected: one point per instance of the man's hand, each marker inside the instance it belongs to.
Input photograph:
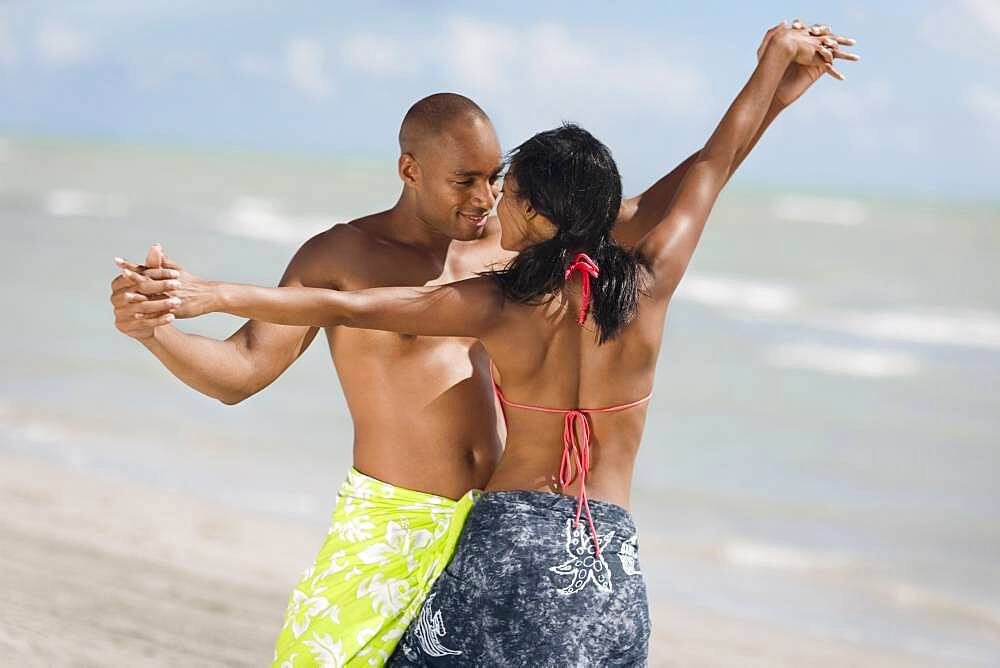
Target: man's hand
(130, 297)
(815, 49)
(187, 296)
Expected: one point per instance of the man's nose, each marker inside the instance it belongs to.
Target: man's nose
(485, 196)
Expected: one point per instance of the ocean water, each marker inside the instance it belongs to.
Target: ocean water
(821, 452)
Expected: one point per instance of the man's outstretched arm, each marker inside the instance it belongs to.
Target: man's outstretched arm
(232, 369)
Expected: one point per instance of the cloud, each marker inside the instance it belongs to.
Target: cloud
(302, 64)
(258, 66)
(152, 70)
(61, 45)
(562, 70)
(970, 29)
(561, 67)
(866, 115)
(375, 54)
(986, 15)
(8, 52)
(305, 62)
(851, 104)
(985, 102)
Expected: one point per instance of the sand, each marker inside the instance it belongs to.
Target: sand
(97, 571)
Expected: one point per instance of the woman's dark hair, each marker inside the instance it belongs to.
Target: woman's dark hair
(569, 177)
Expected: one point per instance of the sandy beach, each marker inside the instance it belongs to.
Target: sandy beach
(102, 572)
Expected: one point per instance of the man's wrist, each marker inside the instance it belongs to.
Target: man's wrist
(153, 342)
(221, 297)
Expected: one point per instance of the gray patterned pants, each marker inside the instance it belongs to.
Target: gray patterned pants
(526, 588)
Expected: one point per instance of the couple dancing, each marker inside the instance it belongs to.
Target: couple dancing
(437, 312)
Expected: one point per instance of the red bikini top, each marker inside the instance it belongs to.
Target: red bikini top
(576, 451)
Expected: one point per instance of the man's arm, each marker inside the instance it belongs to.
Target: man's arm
(239, 366)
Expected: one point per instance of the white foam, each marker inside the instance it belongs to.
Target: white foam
(260, 218)
(737, 294)
(908, 595)
(843, 361)
(972, 328)
(67, 203)
(826, 210)
(42, 432)
(779, 557)
(768, 300)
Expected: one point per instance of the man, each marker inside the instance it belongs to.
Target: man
(423, 411)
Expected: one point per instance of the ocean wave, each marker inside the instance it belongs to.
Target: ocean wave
(971, 328)
(780, 557)
(851, 570)
(908, 595)
(261, 219)
(843, 361)
(824, 210)
(81, 203)
(739, 297)
(739, 294)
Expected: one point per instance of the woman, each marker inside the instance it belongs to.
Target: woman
(574, 325)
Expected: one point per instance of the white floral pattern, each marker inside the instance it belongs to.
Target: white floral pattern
(584, 564)
(628, 554)
(327, 652)
(430, 631)
(385, 548)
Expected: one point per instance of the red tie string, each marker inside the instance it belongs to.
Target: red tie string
(588, 269)
(576, 461)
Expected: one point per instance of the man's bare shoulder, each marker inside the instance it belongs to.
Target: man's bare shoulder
(334, 256)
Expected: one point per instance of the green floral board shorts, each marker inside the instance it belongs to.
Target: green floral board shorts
(385, 548)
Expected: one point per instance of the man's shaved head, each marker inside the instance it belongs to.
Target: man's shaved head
(434, 116)
(450, 164)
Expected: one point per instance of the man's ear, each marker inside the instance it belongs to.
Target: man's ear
(409, 170)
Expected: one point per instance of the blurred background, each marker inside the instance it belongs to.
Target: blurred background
(819, 478)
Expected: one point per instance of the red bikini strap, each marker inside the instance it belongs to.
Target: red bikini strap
(588, 269)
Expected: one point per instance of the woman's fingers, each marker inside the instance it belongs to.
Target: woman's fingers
(155, 308)
(833, 44)
(834, 73)
(154, 258)
(120, 298)
(131, 266)
(148, 286)
(154, 320)
(161, 274)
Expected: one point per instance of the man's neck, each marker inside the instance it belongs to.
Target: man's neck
(403, 225)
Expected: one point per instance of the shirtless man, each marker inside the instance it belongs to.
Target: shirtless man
(423, 410)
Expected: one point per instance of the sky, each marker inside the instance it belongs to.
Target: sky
(919, 115)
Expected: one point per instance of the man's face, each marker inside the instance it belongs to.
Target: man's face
(458, 179)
